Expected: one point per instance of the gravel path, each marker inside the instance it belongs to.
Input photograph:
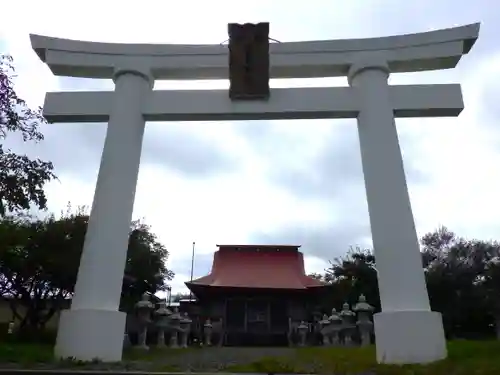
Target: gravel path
(219, 358)
(202, 360)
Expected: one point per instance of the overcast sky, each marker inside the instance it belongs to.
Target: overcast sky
(294, 182)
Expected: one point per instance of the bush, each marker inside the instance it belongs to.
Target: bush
(28, 335)
(3, 332)
(36, 336)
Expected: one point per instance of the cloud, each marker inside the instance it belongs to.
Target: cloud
(186, 148)
(324, 242)
(319, 160)
(274, 181)
(182, 266)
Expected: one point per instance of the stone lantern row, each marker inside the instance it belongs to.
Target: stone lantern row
(340, 327)
(167, 322)
(336, 329)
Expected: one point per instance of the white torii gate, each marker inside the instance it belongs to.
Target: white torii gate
(406, 330)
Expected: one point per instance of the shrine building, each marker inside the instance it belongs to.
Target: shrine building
(257, 292)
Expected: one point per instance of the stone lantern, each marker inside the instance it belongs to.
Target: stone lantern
(126, 341)
(185, 329)
(207, 330)
(348, 318)
(335, 327)
(302, 330)
(364, 323)
(175, 320)
(143, 308)
(324, 324)
(10, 327)
(163, 322)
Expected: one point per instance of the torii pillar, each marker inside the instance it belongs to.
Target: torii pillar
(406, 321)
(406, 330)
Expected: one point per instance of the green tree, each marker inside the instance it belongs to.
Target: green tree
(317, 276)
(40, 259)
(21, 179)
(462, 281)
(348, 277)
(146, 269)
(491, 283)
(355, 274)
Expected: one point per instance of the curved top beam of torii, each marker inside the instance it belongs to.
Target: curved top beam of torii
(441, 49)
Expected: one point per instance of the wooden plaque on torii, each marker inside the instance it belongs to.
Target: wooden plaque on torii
(249, 61)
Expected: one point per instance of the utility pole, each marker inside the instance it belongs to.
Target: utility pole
(192, 270)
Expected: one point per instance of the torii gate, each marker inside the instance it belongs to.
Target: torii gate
(406, 330)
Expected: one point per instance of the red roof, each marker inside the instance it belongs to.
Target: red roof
(258, 266)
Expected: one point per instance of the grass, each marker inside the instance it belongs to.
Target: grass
(465, 358)
(25, 353)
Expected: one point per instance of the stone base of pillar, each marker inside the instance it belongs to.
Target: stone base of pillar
(90, 334)
(406, 337)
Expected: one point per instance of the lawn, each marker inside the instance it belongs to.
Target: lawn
(465, 358)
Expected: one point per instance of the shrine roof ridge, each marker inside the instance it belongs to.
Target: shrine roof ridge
(272, 269)
(439, 49)
(261, 246)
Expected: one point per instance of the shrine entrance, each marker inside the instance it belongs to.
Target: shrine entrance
(250, 323)
(406, 330)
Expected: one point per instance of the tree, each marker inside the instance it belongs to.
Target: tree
(462, 281)
(21, 179)
(491, 284)
(40, 259)
(145, 270)
(348, 277)
(355, 274)
(317, 276)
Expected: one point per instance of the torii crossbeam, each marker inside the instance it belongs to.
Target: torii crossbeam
(406, 330)
(291, 104)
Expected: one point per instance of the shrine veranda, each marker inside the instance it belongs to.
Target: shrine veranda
(406, 330)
